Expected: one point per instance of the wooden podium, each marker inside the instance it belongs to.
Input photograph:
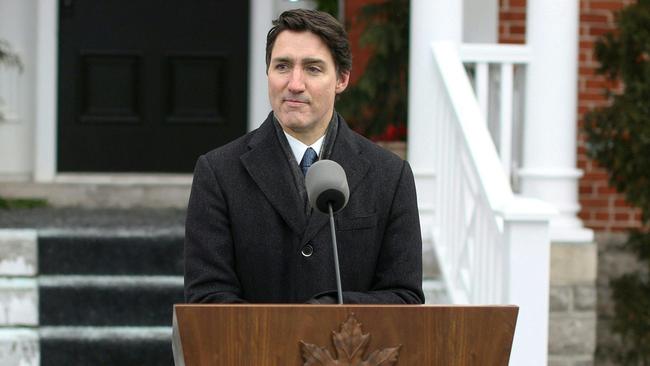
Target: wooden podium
(337, 335)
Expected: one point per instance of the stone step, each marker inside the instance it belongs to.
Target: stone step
(19, 346)
(137, 346)
(110, 252)
(107, 190)
(108, 300)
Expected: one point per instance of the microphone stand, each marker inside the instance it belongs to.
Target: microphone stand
(336, 256)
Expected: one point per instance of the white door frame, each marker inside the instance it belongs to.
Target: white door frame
(47, 40)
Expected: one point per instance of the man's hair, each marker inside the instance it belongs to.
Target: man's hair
(325, 26)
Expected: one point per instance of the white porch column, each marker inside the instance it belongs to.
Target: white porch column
(47, 40)
(261, 15)
(430, 20)
(549, 157)
(481, 21)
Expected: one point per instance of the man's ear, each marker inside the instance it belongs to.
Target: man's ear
(342, 81)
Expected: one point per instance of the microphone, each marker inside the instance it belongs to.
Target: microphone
(328, 192)
(327, 183)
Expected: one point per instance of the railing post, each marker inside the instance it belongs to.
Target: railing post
(505, 112)
(527, 265)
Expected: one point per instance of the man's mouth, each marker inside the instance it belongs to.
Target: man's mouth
(295, 101)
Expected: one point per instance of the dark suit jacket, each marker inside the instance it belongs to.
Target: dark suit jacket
(246, 227)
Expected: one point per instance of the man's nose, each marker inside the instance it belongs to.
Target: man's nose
(296, 81)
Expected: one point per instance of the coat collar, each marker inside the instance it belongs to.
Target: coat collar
(348, 153)
(275, 181)
(267, 164)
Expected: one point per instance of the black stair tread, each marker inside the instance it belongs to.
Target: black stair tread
(69, 218)
(136, 352)
(110, 252)
(108, 279)
(108, 301)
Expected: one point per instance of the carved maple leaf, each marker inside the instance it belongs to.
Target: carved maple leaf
(350, 344)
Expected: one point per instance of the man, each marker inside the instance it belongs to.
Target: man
(251, 235)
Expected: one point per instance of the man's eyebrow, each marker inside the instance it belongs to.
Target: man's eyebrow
(313, 60)
(306, 60)
(281, 59)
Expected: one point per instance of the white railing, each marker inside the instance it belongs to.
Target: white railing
(492, 247)
(495, 71)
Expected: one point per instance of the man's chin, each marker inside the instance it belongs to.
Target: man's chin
(292, 122)
(296, 127)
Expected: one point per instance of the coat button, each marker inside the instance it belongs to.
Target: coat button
(307, 250)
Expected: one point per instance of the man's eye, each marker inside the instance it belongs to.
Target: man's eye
(314, 69)
(281, 67)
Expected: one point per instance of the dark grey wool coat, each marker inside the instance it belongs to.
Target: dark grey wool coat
(246, 227)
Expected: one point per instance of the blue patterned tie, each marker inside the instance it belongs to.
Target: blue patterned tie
(307, 160)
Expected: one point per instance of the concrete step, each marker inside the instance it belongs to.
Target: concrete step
(107, 190)
(108, 300)
(110, 252)
(136, 346)
(19, 346)
(107, 281)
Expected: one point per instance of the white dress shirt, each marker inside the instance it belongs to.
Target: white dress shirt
(298, 148)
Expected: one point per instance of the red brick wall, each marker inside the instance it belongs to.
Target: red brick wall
(603, 209)
(512, 21)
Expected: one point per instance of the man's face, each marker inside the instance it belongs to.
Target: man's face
(303, 83)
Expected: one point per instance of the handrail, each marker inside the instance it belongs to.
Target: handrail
(491, 53)
(476, 135)
(492, 246)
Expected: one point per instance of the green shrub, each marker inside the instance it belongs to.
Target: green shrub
(377, 104)
(618, 138)
(15, 203)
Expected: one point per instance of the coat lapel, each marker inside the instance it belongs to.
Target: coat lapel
(347, 153)
(268, 166)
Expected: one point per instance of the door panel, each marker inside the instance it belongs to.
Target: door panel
(149, 85)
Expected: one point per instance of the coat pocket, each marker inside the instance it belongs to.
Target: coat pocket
(356, 223)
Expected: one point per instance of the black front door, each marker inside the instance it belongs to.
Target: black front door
(149, 85)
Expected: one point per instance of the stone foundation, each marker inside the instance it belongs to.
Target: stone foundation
(613, 262)
(572, 322)
(19, 343)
